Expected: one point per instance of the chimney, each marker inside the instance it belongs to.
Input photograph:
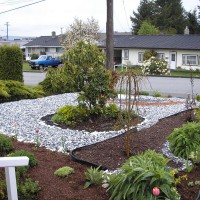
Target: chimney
(186, 31)
(53, 34)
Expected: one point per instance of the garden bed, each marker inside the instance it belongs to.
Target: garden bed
(109, 153)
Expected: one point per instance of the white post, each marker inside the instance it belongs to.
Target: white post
(10, 163)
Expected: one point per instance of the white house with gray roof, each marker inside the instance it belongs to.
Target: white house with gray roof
(51, 45)
(178, 50)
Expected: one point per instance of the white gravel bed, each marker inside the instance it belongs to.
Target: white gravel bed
(22, 118)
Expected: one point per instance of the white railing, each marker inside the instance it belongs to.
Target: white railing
(9, 163)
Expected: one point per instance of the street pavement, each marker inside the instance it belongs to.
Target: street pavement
(167, 86)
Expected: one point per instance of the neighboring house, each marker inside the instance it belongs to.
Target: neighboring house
(178, 50)
(18, 42)
(51, 45)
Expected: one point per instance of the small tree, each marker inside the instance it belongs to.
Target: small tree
(81, 31)
(11, 63)
(148, 29)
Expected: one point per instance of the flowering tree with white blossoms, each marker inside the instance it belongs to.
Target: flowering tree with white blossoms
(81, 31)
(155, 66)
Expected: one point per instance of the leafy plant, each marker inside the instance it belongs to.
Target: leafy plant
(70, 115)
(28, 190)
(6, 145)
(144, 93)
(93, 176)
(185, 140)
(195, 155)
(156, 94)
(64, 171)
(23, 169)
(155, 66)
(193, 183)
(198, 97)
(140, 174)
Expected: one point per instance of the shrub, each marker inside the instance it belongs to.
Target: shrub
(155, 66)
(34, 56)
(64, 171)
(140, 174)
(198, 97)
(6, 145)
(149, 53)
(70, 115)
(23, 169)
(93, 176)
(143, 93)
(32, 160)
(195, 155)
(28, 190)
(11, 63)
(185, 140)
(15, 90)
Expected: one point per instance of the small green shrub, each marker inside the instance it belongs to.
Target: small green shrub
(143, 93)
(185, 140)
(34, 56)
(156, 94)
(140, 174)
(6, 145)
(93, 176)
(28, 190)
(198, 97)
(70, 115)
(32, 160)
(195, 155)
(20, 171)
(64, 171)
(111, 111)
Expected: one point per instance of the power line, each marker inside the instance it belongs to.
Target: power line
(126, 15)
(15, 2)
(21, 7)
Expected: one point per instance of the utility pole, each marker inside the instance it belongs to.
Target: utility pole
(7, 24)
(109, 36)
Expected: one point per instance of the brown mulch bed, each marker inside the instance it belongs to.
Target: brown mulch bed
(109, 153)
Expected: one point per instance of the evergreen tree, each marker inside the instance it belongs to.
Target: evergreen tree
(167, 15)
(193, 23)
(145, 11)
(171, 16)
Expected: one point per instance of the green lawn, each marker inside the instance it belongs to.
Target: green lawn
(26, 67)
(185, 73)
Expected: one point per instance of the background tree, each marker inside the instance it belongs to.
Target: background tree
(148, 29)
(146, 11)
(81, 31)
(167, 15)
(193, 23)
(171, 16)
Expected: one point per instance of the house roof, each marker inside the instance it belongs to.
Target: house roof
(189, 42)
(45, 41)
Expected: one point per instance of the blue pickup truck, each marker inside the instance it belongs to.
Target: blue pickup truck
(44, 61)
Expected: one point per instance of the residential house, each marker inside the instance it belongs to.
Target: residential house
(178, 50)
(49, 44)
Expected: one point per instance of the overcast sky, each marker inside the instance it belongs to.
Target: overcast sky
(53, 15)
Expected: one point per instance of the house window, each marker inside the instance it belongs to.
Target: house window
(140, 57)
(190, 59)
(126, 54)
(160, 56)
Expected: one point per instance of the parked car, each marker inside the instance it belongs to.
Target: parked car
(44, 61)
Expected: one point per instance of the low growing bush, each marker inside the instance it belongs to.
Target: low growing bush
(140, 174)
(28, 190)
(185, 140)
(64, 171)
(23, 169)
(70, 115)
(6, 145)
